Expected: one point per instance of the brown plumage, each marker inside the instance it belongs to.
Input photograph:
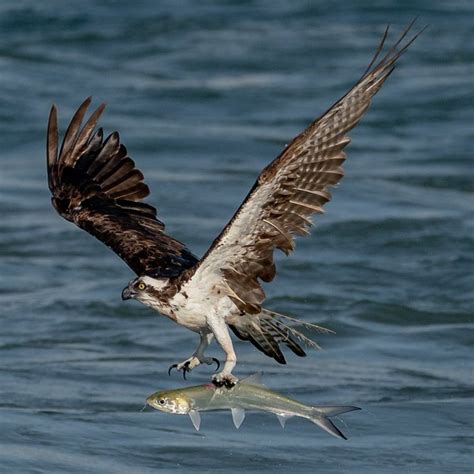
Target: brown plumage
(289, 191)
(95, 184)
(267, 330)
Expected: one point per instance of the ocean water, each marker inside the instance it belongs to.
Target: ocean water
(204, 95)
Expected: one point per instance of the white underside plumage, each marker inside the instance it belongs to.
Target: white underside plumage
(194, 305)
(201, 308)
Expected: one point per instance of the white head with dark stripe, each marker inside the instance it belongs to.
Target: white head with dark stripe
(147, 290)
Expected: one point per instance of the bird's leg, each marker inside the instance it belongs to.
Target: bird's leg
(198, 356)
(206, 339)
(221, 333)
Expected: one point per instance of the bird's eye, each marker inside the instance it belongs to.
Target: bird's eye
(141, 286)
(162, 402)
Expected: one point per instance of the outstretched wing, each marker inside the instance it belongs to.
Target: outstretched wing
(287, 193)
(95, 184)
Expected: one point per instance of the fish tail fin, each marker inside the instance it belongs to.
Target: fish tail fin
(320, 417)
(267, 330)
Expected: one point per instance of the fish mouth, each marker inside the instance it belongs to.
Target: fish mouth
(128, 294)
(150, 402)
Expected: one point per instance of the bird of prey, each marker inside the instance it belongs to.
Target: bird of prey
(95, 185)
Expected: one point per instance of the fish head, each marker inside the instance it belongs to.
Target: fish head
(172, 401)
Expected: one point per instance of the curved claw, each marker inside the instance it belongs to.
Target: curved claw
(174, 366)
(227, 380)
(217, 362)
(184, 369)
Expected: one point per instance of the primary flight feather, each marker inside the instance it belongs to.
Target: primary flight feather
(95, 184)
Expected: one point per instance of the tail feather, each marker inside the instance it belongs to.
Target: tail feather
(282, 334)
(305, 324)
(252, 332)
(267, 330)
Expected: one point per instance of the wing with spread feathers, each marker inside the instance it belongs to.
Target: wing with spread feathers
(287, 193)
(94, 183)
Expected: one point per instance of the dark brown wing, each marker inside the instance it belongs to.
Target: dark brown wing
(95, 184)
(287, 193)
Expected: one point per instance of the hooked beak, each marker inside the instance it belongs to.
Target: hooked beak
(127, 294)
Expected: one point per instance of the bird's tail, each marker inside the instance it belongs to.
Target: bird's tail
(320, 416)
(267, 330)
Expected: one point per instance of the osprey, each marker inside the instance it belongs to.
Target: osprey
(95, 185)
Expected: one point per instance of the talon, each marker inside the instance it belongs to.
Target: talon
(184, 367)
(217, 383)
(174, 366)
(217, 362)
(228, 380)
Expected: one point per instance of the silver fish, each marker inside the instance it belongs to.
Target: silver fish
(248, 393)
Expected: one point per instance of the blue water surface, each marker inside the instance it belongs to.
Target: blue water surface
(204, 95)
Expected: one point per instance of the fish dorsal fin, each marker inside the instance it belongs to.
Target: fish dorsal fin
(195, 418)
(254, 379)
(238, 416)
(282, 418)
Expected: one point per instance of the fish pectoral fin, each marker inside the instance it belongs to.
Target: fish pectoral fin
(254, 379)
(195, 418)
(238, 416)
(282, 418)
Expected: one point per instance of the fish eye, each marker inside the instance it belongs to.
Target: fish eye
(162, 401)
(141, 286)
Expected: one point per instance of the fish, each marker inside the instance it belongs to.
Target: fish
(248, 394)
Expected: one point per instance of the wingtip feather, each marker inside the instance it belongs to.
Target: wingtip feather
(72, 133)
(52, 145)
(52, 137)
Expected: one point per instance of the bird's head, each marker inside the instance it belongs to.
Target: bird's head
(145, 289)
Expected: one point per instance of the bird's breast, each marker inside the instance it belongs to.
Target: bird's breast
(189, 312)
